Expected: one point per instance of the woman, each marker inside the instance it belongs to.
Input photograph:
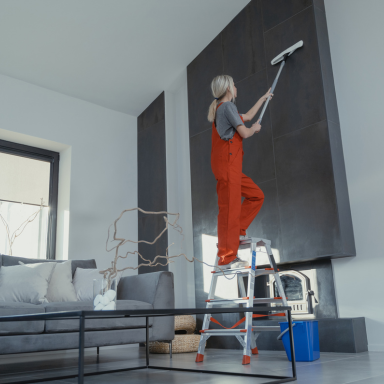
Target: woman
(228, 132)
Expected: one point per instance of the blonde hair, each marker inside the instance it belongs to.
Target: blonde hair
(219, 87)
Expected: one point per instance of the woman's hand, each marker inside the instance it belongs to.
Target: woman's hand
(268, 94)
(256, 127)
(245, 132)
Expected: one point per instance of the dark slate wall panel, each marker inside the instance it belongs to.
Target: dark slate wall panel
(200, 72)
(149, 227)
(341, 185)
(267, 224)
(307, 197)
(326, 66)
(277, 11)
(242, 39)
(299, 96)
(319, 4)
(154, 113)
(152, 181)
(258, 163)
(327, 307)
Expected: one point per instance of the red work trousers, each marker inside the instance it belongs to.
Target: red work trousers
(234, 217)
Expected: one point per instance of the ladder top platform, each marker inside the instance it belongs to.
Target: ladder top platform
(248, 241)
(256, 272)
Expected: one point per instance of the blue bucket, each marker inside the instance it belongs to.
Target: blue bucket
(306, 340)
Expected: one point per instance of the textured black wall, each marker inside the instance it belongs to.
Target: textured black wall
(152, 180)
(297, 158)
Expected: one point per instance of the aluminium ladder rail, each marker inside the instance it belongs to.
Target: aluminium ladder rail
(248, 335)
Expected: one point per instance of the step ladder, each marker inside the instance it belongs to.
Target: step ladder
(248, 335)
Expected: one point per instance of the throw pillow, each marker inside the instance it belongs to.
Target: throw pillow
(83, 282)
(26, 283)
(60, 287)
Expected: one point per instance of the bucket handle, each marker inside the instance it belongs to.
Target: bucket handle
(284, 332)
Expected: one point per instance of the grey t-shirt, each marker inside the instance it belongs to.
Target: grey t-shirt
(227, 119)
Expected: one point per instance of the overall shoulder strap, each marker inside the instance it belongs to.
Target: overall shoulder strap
(216, 110)
(219, 105)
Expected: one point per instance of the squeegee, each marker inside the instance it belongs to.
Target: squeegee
(282, 57)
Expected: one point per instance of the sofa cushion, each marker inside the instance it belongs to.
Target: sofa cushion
(60, 286)
(27, 283)
(20, 327)
(53, 326)
(8, 261)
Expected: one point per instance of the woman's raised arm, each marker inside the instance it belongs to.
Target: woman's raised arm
(245, 132)
(252, 112)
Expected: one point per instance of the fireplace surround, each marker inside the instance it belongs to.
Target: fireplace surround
(300, 292)
(312, 296)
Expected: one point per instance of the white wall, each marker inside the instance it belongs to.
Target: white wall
(356, 32)
(179, 189)
(98, 163)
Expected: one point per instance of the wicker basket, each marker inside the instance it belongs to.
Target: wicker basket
(180, 344)
(185, 323)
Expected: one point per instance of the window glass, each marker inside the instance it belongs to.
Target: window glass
(24, 184)
(24, 180)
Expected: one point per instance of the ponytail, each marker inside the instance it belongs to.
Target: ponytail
(212, 111)
(219, 87)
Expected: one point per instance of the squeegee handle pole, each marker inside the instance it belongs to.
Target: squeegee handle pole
(272, 90)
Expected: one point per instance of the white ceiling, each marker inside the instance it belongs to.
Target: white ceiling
(119, 54)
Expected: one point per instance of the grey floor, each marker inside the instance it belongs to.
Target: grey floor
(332, 368)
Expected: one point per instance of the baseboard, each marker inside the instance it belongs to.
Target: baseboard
(343, 335)
(376, 347)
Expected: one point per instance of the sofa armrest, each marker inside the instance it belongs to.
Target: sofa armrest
(157, 289)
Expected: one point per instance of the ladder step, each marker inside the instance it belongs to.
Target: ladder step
(268, 300)
(226, 301)
(234, 300)
(259, 328)
(243, 271)
(233, 270)
(225, 332)
(246, 243)
(244, 300)
(228, 332)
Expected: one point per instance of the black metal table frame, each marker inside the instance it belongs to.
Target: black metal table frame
(82, 315)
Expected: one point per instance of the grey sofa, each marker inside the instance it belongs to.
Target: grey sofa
(147, 291)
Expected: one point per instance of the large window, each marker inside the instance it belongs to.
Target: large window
(28, 200)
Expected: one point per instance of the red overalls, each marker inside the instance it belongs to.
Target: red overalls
(234, 217)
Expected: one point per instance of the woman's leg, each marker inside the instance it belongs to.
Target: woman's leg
(252, 203)
(228, 220)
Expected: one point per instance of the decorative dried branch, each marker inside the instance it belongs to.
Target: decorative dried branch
(20, 230)
(6, 227)
(111, 273)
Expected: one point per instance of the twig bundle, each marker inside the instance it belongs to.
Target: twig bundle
(111, 273)
(18, 231)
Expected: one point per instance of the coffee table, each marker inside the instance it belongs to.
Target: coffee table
(82, 315)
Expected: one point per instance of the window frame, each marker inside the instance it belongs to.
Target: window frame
(53, 158)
